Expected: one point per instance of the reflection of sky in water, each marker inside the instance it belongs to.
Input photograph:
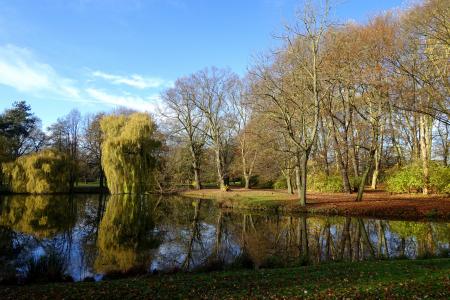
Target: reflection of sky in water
(179, 235)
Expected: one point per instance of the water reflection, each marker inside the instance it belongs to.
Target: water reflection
(91, 236)
(126, 235)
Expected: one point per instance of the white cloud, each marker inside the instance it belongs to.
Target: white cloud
(21, 70)
(134, 80)
(149, 104)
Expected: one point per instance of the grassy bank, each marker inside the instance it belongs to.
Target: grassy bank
(376, 204)
(400, 279)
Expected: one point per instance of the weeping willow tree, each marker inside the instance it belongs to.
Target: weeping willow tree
(38, 173)
(129, 152)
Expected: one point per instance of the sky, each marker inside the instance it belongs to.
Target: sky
(95, 55)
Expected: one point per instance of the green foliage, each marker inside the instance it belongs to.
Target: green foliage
(355, 181)
(320, 182)
(409, 179)
(257, 182)
(129, 152)
(38, 173)
(440, 178)
(20, 132)
(280, 184)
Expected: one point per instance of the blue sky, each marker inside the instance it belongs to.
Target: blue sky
(95, 55)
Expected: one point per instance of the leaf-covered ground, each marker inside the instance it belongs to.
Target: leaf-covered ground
(376, 204)
(402, 279)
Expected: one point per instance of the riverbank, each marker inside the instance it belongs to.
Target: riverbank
(401, 279)
(375, 204)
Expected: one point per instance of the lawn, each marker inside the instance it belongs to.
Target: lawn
(400, 279)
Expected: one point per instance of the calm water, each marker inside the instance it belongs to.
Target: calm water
(99, 236)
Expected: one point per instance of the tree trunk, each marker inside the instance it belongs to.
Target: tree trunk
(362, 184)
(220, 174)
(244, 168)
(197, 185)
(303, 169)
(377, 157)
(343, 168)
(354, 153)
(247, 181)
(444, 137)
(298, 180)
(425, 145)
(289, 184)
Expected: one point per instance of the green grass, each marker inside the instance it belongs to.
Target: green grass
(400, 279)
(88, 184)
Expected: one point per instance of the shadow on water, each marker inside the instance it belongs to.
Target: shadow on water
(93, 237)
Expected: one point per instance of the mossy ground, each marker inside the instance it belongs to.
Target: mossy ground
(400, 279)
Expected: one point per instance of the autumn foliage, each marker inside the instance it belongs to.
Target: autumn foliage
(129, 150)
(38, 173)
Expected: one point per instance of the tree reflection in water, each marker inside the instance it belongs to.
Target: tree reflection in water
(126, 235)
(98, 235)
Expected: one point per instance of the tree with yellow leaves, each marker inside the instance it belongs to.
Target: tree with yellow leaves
(129, 152)
(39, 173)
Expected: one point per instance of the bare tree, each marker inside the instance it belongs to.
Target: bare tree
(291, 85)
(187, 117)
(241, 106)
(214, 88)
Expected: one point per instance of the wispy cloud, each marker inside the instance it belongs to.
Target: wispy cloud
(20, 69)
(23, 71)
(149, 104)
(134, 80)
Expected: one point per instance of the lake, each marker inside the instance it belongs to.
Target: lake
(96, 237)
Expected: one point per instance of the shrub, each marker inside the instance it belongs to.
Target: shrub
(355, 181)
(280, 184)
(320, 182)
(409, 179)
(51, 267)
(43, 172)
(440, 178)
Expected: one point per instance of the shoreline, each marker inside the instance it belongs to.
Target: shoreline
(375, 204)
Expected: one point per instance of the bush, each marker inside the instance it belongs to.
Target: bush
(409, 179)
(355, 182)
(280, 184)
(320, 182)
(48, 268)
(440, 179)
